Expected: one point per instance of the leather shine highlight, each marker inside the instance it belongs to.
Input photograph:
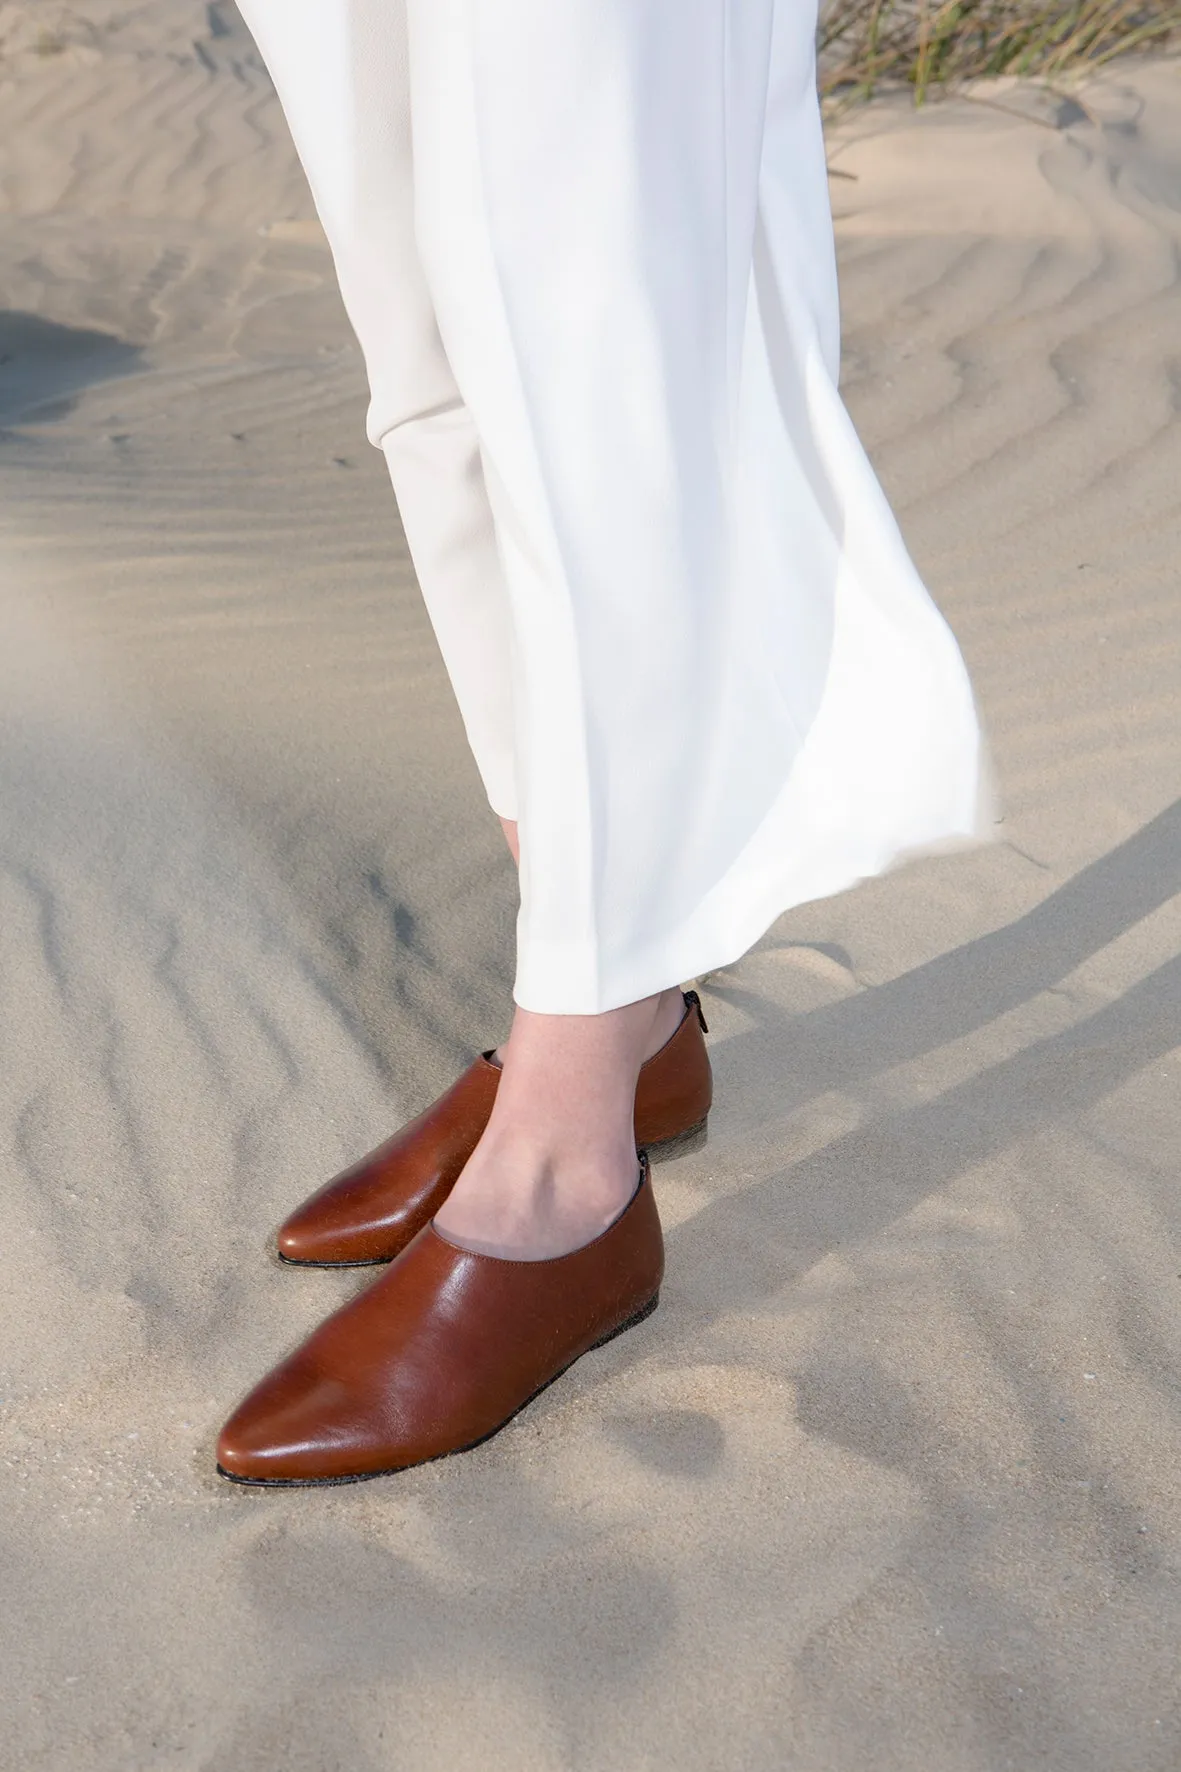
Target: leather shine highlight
(439, 1353)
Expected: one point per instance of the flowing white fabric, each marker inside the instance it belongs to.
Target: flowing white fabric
(587, 250)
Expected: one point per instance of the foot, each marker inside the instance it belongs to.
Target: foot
(557, 1160)
(533, 1204)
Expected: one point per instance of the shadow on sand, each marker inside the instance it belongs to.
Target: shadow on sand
(863, 1181)
(44, 366)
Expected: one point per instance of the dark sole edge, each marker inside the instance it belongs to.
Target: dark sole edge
(393, 1470)
(370, 1261)
(681, 1143)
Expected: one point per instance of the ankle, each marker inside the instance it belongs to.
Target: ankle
(557, 1160)
(535, 1161)
(668, 1013)
(523, 1198)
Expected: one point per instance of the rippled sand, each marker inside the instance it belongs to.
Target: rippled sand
(889, 1484)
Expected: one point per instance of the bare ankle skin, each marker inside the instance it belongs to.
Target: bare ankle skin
(509, 827)
(557, 1161)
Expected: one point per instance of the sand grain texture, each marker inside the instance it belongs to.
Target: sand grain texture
(890, 1480)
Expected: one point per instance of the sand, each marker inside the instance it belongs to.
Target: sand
(890, 1480)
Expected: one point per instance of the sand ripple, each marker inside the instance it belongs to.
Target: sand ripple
(889, 1481)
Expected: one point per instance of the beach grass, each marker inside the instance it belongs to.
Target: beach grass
(935, 45)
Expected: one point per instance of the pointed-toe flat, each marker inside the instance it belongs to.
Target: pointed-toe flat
(440, 1353)
(372, 1210)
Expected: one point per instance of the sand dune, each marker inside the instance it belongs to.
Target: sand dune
(890, 1480)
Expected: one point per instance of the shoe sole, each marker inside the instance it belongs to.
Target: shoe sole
(679, 1145)
(395, 1469)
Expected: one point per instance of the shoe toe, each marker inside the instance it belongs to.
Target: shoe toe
(303, 1237)
(314, 1235)
(297, 1426)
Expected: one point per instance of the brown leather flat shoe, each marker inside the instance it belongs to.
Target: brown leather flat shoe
(440, 1353)
(371, 1211)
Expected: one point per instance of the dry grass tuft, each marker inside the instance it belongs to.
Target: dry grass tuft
(929, 44)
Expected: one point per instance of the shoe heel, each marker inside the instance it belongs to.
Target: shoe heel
(692, 1139)
(645, 1310)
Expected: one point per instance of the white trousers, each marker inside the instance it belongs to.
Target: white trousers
(587, 250)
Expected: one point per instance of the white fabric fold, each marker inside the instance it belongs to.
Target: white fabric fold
(587, 249)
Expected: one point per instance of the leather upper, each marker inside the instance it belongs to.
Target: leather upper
(439, 1352)
(373, 1209)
